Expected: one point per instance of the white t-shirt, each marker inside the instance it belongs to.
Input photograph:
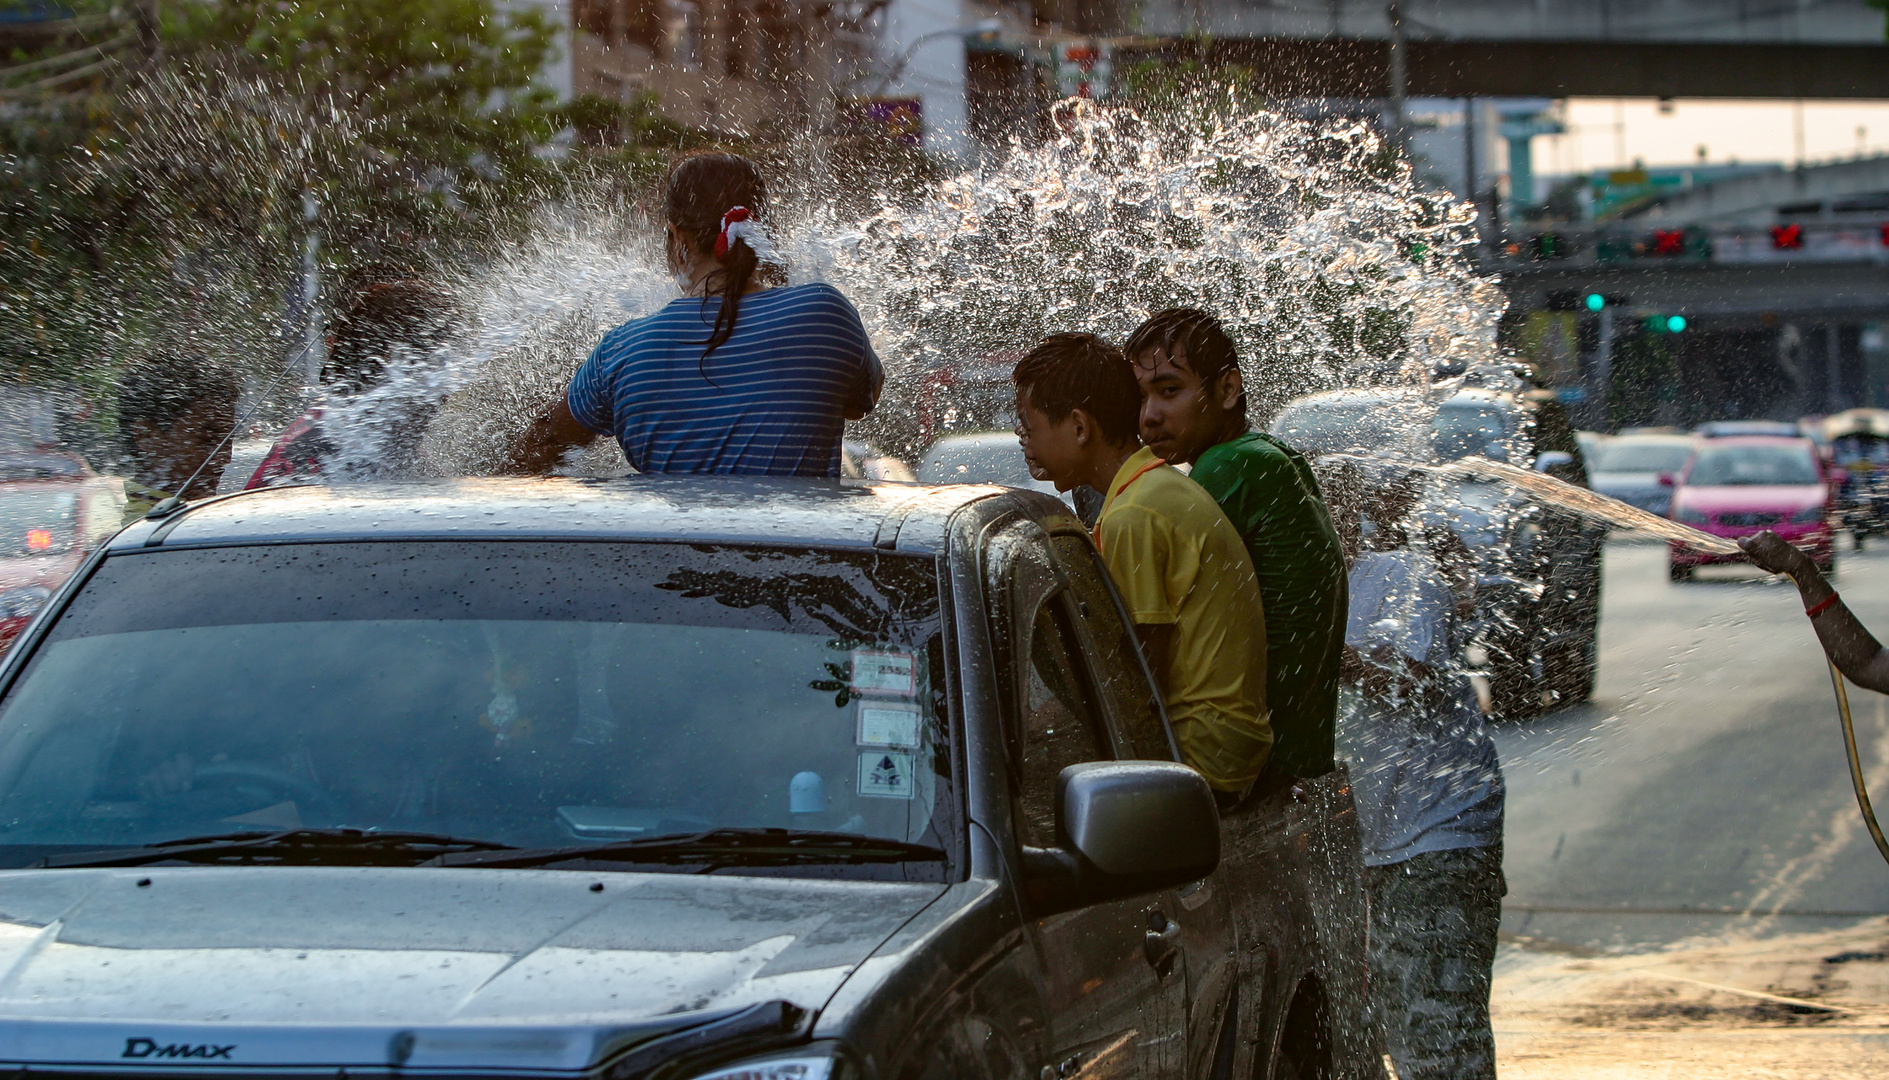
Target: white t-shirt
(1425, 778)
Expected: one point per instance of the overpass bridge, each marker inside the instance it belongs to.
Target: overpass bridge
(1781, 278)
(1537, 48)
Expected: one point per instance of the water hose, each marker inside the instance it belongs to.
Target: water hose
(1856, 762)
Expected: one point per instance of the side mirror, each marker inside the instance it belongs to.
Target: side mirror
(1553, 459)
(1666, 479)
(1127, 828)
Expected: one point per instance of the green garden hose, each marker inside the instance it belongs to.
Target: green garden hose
(1856, 763)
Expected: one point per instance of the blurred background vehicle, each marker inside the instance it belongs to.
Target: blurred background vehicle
(53, 511)
(1590, 443)
(1538, 569)
(1723, 429)
(862, 461)
(983, 457)
(1858, 450)
(1638, 469)
(1738, 485)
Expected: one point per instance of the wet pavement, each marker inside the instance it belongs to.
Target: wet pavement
(1692, 891)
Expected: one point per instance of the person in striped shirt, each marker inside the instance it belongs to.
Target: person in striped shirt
(743, 375)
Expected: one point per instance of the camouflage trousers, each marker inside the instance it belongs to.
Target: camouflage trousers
(1433, 925)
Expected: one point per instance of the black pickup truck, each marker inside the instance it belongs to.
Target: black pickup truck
(644, 778)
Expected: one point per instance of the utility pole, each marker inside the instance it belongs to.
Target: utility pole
(1604, 369)
(1833, 369)
(1399, 72)
(1470, 191)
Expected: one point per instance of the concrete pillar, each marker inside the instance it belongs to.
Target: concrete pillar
(936, 73)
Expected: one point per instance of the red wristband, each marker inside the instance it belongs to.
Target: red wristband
(1822, 606)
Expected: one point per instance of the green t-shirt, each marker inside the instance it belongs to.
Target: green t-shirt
(1268, 491)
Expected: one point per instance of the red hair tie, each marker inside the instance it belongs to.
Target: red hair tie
(731, 230)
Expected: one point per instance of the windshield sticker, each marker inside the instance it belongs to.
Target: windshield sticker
(885, 775)
(886, 723)
(885, 672)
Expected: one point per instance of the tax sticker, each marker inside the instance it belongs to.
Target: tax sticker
(876, 672)
(888, 723)
(885, 774)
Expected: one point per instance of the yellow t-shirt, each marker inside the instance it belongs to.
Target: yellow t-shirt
(1179, 562)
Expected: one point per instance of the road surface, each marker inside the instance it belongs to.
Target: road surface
(1691, 889)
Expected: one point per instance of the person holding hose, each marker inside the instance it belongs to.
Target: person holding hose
(742, 375)
(1848, 643)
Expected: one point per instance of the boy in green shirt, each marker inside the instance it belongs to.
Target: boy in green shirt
(1194, 411)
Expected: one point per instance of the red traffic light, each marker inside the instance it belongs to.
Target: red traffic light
(1669, 242)
(1787, 237)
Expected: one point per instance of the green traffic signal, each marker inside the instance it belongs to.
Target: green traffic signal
(1595, 301)
(1675, 323)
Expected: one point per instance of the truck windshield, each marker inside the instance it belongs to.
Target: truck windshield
(538, 695)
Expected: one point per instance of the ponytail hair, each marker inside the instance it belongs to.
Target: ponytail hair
(698, 193)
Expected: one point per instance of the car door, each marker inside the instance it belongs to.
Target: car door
(1111, 976)
(1199, 915)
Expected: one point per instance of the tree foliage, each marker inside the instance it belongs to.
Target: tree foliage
(164, 208)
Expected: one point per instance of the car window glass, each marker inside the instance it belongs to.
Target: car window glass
(1119, 675)
(1627, 456)
(1753, 466)
(1060, 725)
(37, 521)
(535, 694)
(1463, 429)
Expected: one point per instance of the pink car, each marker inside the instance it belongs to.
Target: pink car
(1738, 486)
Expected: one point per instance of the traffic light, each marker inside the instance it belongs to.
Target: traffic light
(1665, 324)
(1596, 301)
(1787, 237)
(1669, 241)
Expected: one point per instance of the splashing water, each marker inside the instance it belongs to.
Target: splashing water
(1589, 504)
(1326, 262)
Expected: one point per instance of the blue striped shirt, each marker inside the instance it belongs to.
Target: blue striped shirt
(798, 361)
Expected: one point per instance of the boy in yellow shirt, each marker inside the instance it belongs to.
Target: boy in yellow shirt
(1180, 565)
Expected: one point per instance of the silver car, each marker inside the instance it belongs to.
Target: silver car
(1639, 469)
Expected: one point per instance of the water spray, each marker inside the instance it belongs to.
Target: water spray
(1600, 508)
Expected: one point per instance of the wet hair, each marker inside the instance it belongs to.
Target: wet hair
(698, 190)
(379, 317)
(1209, 348)
(157, 394)
(1081, 371)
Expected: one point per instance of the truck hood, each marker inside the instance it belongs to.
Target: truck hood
(418, 968)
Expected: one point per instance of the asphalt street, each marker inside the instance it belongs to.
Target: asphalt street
(1703, 793)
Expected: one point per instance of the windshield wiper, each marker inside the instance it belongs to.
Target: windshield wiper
(716, 848)
(296, 847)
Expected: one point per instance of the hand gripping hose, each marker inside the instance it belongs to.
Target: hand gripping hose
(1856, 764)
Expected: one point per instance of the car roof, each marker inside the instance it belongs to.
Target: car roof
(1725, 429)
(710, 509)
(1799, 441)
(1658, 440)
